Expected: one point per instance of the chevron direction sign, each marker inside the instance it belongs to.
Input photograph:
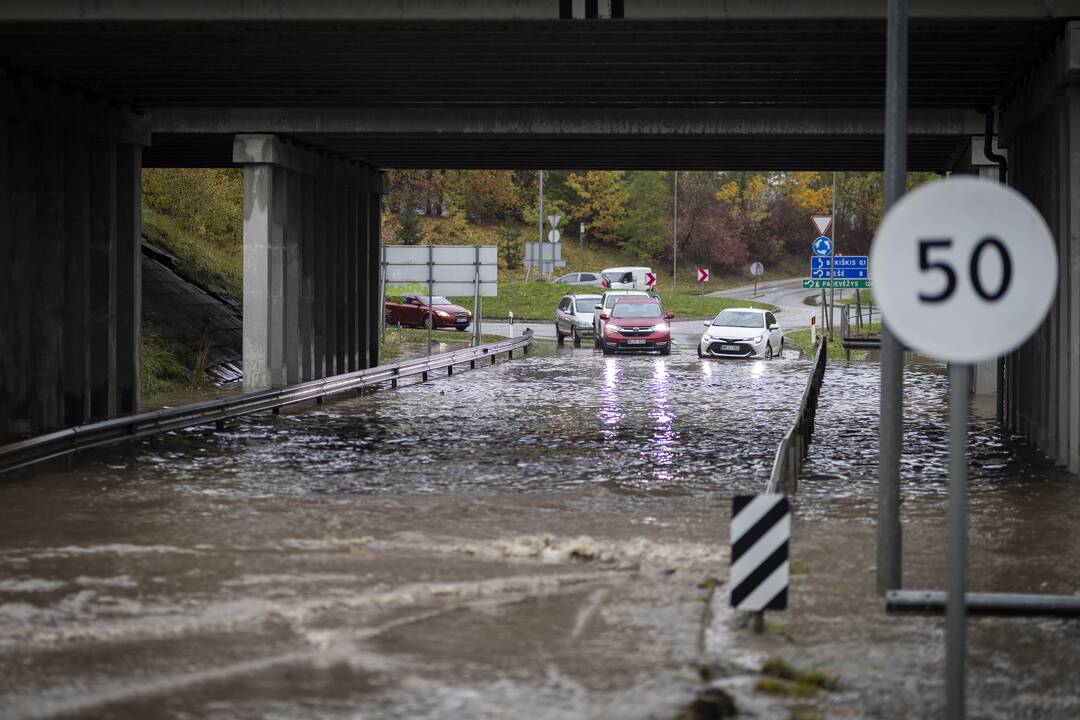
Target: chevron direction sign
(760, 531)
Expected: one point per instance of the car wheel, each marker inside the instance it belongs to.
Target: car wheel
(576, 337)
(781, 353)
(606, 351)
(427, 321)
(699, 353)
(596, 342)
(768, 351)
(558, 336)
(461, 328)
(666, 350)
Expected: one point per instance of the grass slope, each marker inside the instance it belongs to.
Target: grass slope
(203, 262)
(537, 301)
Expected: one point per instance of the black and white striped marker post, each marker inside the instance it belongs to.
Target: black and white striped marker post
(760, 530)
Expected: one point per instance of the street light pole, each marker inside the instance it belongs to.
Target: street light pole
(675, 236)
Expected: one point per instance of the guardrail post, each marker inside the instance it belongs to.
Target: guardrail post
(472, 364)
(393, 382)
(423, 376)
(449, 371)
(510, 355)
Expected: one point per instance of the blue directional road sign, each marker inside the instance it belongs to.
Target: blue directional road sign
(848, 273)
(850, 261)
(822, 245)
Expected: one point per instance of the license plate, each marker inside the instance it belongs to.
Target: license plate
(730, 348)
(635, 342)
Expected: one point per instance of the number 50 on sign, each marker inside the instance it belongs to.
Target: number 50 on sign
(964, 269)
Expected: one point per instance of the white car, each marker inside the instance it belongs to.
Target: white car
(626, 278)
(742, 333)
(574, 317)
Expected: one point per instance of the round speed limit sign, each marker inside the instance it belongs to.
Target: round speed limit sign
(964, 269)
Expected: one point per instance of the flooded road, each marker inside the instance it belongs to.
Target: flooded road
(533, 540)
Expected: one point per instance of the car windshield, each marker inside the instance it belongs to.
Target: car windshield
(612, 299)
(636, 310)
(736, 318)
(438, 300)
(587, 304)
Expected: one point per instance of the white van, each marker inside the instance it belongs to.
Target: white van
(626, 278)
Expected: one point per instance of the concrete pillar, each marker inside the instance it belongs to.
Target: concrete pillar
(374, 242)
(302, 252)
(307, 272)
(1041, 126)
(77, 335)
(69, 264)
(128, 275)
(974, 162)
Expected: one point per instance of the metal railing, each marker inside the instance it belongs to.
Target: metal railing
(120, 429)
(792, 450)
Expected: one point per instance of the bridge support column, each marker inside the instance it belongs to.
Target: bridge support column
(974, 162)
(306, 234)
(1043, 375)
(69, 257)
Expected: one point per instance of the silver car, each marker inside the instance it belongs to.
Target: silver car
(594, 279)
(742, 333)
(574, 317)
(607, 300)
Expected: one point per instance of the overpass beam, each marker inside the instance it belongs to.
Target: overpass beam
(69, 228)
(305, 315)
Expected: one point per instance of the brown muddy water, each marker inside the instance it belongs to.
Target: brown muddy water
(523, 541)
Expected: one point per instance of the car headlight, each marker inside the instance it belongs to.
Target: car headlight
(610, 326)
(442, 314)
(659, 327)
(755, 340)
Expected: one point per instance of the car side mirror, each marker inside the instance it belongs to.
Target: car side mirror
(603, 316)
(598, 307)
(774, 326)
(670, 315)
(707, 323)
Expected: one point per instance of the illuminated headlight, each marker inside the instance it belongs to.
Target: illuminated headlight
(659, 327)
(442, 314)
(615, 328)
(755, 340)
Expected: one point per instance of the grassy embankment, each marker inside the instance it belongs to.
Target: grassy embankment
(801, 339)
(537, 301)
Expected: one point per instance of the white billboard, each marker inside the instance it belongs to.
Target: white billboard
(451, 269)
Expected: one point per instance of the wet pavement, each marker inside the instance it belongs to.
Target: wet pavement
(528, 540)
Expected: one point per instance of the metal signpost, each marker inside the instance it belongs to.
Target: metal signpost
(446, 270)
(822, 223)
(581, 236)
(553, 238)
(535, 251)
(702, 278)
(756, 271)
(960, 269)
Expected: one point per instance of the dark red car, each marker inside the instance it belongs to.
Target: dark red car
(416, 311)
(637, 323)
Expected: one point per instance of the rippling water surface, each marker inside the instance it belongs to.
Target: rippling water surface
(528, 540)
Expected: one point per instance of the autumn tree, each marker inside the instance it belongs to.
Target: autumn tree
(599, 200)
(483, 195)
(644, 232)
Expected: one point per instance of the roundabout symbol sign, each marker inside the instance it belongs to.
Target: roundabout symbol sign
(964, 269)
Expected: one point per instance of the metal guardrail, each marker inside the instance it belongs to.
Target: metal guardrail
(792, 450)
(120, 429)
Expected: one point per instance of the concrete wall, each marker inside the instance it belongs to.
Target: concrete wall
(69, 257)
(311, 273)
(1043, 376)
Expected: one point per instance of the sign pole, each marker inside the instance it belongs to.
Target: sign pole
(675, 237)
(476, 299)
(832, 259)
(956, 561)
(430, 307)
(891, 428)
(540, 227)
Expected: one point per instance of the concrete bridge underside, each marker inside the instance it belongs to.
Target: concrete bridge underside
(311, 98)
